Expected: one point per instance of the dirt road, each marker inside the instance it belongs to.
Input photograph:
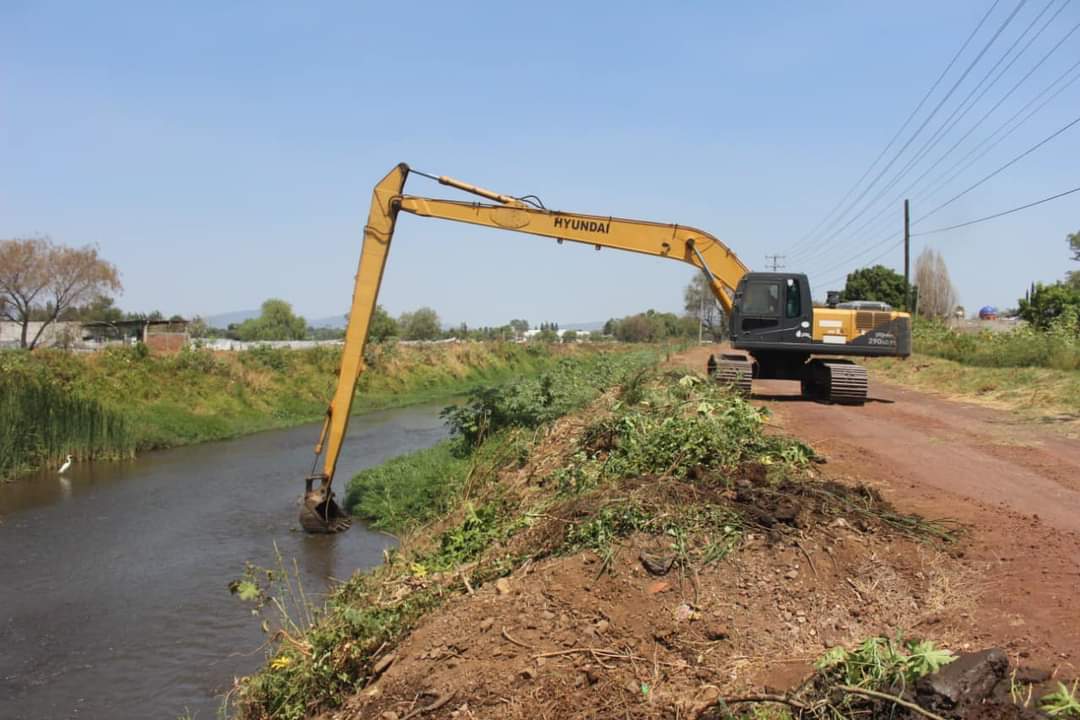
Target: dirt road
(1014, 485)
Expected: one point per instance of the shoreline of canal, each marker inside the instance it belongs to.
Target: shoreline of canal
(161, 402)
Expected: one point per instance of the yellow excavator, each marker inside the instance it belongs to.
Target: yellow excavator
(771, 316)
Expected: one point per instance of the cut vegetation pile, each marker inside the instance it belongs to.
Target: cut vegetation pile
(659, 553)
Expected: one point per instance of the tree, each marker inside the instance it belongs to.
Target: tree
(520, 326)
(100, 309)
(569, 336)
(41, 280)
(702, 306)
(1046, 303)
(382, 326)
(421, 324)
(275, 322)
(876, 283)
(937, 296)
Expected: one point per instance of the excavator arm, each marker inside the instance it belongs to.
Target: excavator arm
(677, 242)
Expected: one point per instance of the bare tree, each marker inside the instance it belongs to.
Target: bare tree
(700, 304)
(937, 296)
(41, 280)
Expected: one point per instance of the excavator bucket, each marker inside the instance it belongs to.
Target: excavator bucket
(319, 513)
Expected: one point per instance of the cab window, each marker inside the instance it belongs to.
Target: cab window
(793, 307)
(762, 298)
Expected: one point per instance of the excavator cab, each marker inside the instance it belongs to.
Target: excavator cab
(772, 308)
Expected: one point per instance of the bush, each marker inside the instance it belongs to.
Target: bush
(407, 489)
(1058, 347)
(266, 357)
(530, 403)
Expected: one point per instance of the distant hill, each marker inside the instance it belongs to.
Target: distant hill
(333, 321)
(224, 320)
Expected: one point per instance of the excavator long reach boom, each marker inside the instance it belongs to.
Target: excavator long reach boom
(320, 513)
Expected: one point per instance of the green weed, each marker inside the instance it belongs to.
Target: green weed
(409, 489)
(1064, 702)
(881, 663)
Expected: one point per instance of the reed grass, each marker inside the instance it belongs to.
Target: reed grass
(40, 425)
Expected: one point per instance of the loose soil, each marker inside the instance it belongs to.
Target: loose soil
(561, 637)
(1015, 485)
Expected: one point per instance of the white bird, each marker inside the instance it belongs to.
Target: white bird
(66, 465)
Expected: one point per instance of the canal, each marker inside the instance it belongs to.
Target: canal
(114, 599)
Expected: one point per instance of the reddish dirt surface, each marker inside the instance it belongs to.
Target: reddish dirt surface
(557, 639)
(1014, 485)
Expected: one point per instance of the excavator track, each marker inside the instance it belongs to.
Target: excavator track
(836, 381)
(734, 370)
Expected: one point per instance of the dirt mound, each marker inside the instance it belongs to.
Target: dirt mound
(645, 635)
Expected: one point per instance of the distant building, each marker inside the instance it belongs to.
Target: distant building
(160, 336)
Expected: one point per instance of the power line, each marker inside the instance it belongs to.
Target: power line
(872, 260)
(903, 127)
(1000, 214)
(957, 114)
(926, 121)
(1007, 165)
(817, 250)
(949, 175)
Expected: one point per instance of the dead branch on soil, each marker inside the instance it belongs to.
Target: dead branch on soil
(890, 698)
(506, 635)
(435, 705)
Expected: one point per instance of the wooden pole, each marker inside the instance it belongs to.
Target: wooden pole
(907, 256)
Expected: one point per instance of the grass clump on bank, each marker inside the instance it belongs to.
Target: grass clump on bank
(40, 424)
(197, 395)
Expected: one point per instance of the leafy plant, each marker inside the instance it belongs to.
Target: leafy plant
(882, 663)
(1063, 702)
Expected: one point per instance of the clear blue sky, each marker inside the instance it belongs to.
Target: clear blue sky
(223, 153)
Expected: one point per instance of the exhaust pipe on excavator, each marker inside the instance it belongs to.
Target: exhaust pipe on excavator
(319, 513)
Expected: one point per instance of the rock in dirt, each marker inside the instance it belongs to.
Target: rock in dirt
(716, 632)
(658, 587)
(502, 586)
(656, 564)
(965, 682)
(486, 624)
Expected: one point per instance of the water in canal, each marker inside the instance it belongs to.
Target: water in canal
(114, 598)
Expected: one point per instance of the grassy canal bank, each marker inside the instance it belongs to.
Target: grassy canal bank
(603, 537)
(118, 402)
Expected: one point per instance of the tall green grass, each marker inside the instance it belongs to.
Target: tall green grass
(40, 424)
(1057, 348)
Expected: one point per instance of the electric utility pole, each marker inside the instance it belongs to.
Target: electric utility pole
(775, 261)
(907, 256)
